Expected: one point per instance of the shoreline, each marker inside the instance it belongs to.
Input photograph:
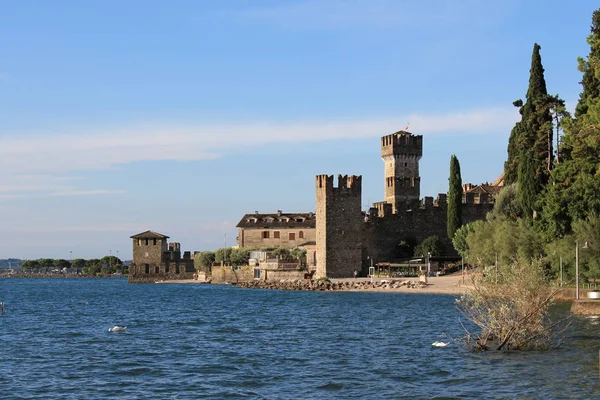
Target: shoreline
(448, 285)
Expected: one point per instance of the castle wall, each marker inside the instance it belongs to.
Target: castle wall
(141, 273)
(339, 226)
(254, 238)
(384, 232)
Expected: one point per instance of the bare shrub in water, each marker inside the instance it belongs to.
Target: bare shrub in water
(510, 306)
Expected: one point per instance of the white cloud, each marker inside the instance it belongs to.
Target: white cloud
(50, 154)
(19, 186)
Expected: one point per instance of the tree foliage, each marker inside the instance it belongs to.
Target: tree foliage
(204, 260)
(240, 256)
(430, 245)
(573, 194)
(500, 241)
(223, 255)
(509, 304)
(454, 209)
(460, 239)
(531, 138)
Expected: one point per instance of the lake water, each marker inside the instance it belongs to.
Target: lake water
(187, 341)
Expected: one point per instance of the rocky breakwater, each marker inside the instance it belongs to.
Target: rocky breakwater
(327, 285)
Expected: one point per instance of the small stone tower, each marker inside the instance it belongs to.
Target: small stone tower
(339, 226)
(149, 248)
(401, 152)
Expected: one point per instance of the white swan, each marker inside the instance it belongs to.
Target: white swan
(117, 328)
(439, 344)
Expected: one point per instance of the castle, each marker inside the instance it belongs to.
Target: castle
(348, 239)
(156, 259)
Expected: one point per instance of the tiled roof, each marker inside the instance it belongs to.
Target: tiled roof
(278, 220)
(149, 235)
(499, 180)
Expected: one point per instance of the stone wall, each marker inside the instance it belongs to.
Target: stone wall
(383, 234)
(149, 251)
(169, 270)
(339, 226)
(281, 274)
(161, 276)
(227, 274)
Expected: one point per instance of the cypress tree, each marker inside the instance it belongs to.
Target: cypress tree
(590, 68)
(532, 136)
(454, 211)
(528, 188)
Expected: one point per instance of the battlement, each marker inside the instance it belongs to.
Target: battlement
(474, 201)
(402, 143)
(350, 184)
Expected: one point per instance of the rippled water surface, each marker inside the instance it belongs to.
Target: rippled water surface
(200, 341)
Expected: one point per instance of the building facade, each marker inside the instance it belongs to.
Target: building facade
(288, 230)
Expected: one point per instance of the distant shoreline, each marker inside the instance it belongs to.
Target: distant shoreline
(60, 276)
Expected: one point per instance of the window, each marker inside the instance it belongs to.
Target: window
(301, 235)
(276, 235)
(157, 270)
(292, 236)
(147, 268)
(154, 242)
(299, 219)
(265, 234)
(146, 242)
(167, 269)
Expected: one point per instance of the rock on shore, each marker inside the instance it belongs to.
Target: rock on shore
(326, 285)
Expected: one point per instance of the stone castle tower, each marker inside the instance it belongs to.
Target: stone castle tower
(339, 226)
(401, 152)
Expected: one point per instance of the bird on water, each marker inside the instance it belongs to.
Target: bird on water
(117, 328)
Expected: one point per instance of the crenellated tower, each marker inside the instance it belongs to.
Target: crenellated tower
(401, 152)
(339, 226)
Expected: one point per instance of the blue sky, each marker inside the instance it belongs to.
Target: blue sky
(180, 116)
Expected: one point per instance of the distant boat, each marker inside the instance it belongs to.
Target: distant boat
(439, 344)
(117, 328)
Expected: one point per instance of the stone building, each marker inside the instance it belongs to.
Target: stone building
(348, 239)
(155, 259)
(340, 234)
(280, 229)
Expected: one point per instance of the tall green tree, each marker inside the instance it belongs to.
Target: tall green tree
(528, 187)
(532, 136)
(573, 196)
(454, 210)
(590, 68)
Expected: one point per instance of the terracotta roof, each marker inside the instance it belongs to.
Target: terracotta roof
(499, 180)
(149, 235)
(278, 220)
